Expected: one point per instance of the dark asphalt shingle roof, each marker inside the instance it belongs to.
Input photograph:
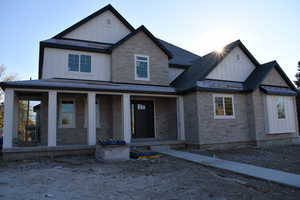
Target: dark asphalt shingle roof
(180, 57)
(204, 65)
(77, 44)
(277, 90)
(83, 85)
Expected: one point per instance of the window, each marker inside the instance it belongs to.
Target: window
(142, 67)
(280, 108)
(223, 107)
(73, 62)
(83, 60)
(98, 125)
(67, 114)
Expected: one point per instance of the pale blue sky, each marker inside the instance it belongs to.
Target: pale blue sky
(270, 29)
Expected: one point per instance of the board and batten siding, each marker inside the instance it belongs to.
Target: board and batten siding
(55, 65)
(275, 125)
(103, 28)
(236, 66)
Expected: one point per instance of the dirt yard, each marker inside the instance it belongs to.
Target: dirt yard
(163, 178)
(285, 158)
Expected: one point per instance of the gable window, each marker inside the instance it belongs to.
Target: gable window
(67, 113)
(79, 63)
(141, 67)
(280, 108)
(223, 106)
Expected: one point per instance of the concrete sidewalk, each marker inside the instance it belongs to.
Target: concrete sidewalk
(267, 174)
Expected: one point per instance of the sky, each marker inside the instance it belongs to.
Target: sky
(270, 29)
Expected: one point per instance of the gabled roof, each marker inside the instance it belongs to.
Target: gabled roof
(180, 57)
(261, 72)
(86, 85)
(204, 65)
(80, 45)
(109, 7)
(149, 34)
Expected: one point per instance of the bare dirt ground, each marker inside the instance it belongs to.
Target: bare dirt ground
(285, 158)
(164, 178)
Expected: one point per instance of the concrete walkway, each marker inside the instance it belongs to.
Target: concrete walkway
(240, 168)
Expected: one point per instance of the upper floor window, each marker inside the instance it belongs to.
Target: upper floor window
(280, 108)
(142, 67)
(223, 106)
(79, 63)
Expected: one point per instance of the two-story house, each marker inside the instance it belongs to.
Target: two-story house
(102, 78)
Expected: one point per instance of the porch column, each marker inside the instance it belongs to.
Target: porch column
(8, 118)
(91, 118)
(126, 118)
(52, 118)
(180, 118)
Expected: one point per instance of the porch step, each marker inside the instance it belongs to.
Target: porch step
(157, 143)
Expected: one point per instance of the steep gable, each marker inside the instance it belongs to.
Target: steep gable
(274, 78)
(236, 66)
(106, 26)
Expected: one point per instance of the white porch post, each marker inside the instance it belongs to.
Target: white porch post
(126, 118)
(52, 118)
(180, 118)
(91, 118)
(8, 118)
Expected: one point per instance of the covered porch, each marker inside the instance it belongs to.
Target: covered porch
(58, 120)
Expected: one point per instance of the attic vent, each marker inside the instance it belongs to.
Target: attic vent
(108, 22)
(238, 57)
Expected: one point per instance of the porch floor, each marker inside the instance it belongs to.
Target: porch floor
(154, 142)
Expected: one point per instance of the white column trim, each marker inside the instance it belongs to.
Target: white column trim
(52, 118)
(126, 118)
(8, 118)
(91, 118)
(180, 118)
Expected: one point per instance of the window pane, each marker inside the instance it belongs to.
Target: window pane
(280, 108)
(73, 62)
(141, 68)
(66, 118)
(228, 106)
(219, 106)
(85, 63)
(67, 106)
(142, 58)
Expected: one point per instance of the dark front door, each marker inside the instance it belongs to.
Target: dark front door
(142, 119)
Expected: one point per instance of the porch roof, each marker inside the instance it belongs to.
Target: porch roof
(85, 85)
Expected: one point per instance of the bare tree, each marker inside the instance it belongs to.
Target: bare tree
(5, 77)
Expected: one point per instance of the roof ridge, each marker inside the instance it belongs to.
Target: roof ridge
(93, 15)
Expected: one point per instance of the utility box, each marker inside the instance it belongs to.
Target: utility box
(112, 152)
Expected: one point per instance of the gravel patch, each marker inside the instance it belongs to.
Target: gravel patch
(285, 158)
(162, 178)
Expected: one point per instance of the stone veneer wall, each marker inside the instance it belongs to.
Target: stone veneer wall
(249, 125)
(123, 65)
(222, 130)
(78, 135)
(191, 120)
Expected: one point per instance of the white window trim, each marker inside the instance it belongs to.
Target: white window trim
(223, 116)
(78, 72)
(72, 125)
(98, 124)
(135, 69)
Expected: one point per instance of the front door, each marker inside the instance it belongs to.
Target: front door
(142, 119)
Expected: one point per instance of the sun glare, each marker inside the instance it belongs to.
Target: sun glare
(220, 50)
